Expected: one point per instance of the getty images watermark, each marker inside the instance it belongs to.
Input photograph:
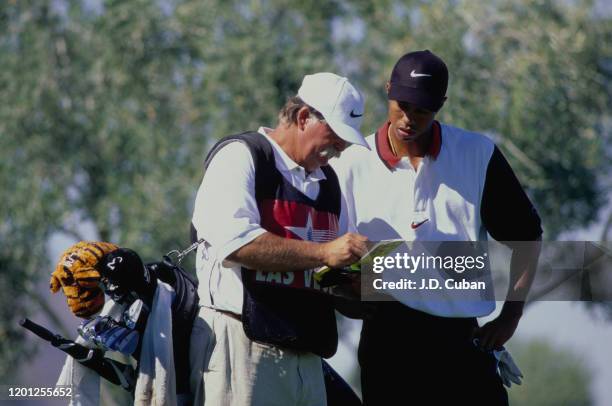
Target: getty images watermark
(429, 263)
(569, 270)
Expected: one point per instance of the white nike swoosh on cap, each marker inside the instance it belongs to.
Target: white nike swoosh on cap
(413, 74)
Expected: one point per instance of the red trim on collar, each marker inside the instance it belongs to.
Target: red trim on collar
(384, 149)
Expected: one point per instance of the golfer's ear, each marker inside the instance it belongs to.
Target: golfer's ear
(387, 87)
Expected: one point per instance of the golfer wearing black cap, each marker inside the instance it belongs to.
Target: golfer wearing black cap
(427, 181)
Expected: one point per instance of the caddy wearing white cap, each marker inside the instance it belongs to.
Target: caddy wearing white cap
(338, 101)
(270, 210)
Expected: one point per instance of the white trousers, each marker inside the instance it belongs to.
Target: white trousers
(228, 369)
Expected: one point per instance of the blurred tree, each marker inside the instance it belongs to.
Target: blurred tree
(534, 75)
(552, 376)
(247, 58)
(110, 111)
(92, 133)
(29, 209)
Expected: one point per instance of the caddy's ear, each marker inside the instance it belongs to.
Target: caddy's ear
(387, 87)
(302, 116)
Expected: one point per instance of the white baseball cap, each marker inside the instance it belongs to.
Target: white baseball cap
(338, 101)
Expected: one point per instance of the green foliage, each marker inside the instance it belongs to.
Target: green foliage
(247, 58)
(108, 113)
(534, 75)
(92, 133)
(552, 376)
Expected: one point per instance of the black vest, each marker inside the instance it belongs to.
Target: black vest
(288, 309)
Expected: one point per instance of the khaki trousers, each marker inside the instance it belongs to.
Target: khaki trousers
(228, 369)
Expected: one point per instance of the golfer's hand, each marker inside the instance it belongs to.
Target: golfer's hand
(494, 334)
(345, 250)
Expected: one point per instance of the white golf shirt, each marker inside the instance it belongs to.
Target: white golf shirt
(439, 201)
(227, 217)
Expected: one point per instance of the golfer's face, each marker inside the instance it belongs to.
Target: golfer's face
(409, 122)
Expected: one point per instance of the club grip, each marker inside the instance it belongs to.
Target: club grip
(37, 329)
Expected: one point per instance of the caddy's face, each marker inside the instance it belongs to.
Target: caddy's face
(318, 144)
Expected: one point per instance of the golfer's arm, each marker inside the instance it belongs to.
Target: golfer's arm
(523, 265)
(272, 253)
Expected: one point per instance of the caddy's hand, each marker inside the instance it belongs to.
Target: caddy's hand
(345, 250)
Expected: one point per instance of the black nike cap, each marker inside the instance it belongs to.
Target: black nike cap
(420, 78)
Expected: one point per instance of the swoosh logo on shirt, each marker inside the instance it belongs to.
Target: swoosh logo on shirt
(414, 225)
(352, 114)
(413, 74)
